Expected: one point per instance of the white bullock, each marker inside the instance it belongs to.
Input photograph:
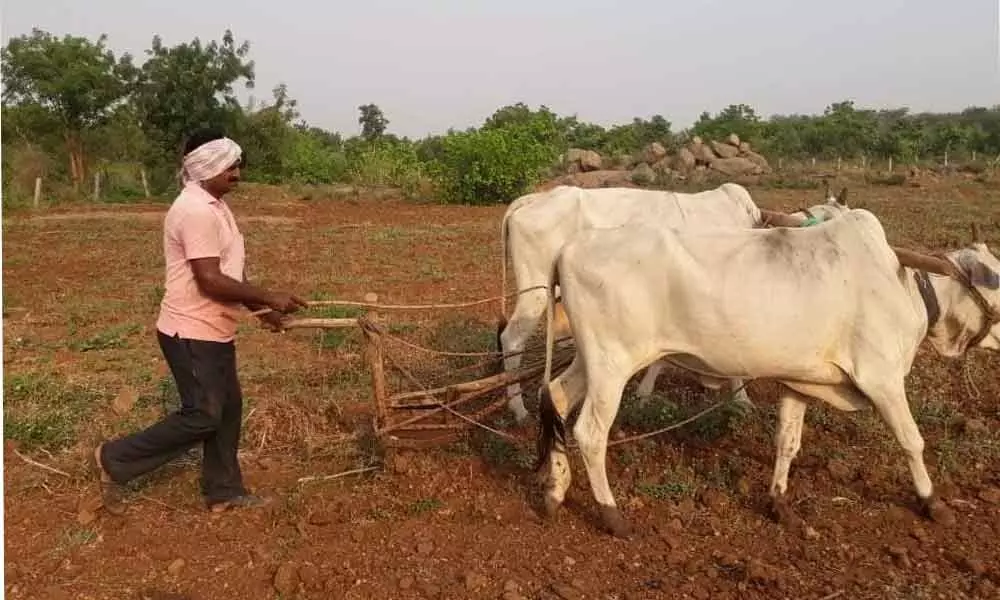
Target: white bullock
(536, 226)
(830, 312)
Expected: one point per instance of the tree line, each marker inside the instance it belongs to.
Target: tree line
(72, 106)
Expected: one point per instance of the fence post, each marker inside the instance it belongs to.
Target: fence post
(890, 165)
(97, 185)
(38, 190)
(838, 163)
(376, 366)
(945, 158)
(145, 182)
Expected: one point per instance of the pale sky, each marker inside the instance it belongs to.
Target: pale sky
(431, 66)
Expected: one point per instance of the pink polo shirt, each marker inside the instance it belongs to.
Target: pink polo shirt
(199, 225)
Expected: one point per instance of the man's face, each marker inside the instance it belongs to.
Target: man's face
(224, 182)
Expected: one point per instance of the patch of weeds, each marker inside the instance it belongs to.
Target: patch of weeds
(380, 514)
(673, 490)
(425, 505)
(113, 337)
(389, 234)
(671, 485)
(332, 339)
(717, 423)
(658, 412)
(73, 537)
(786, 182)
(498, 451)
(42, 412)
(463, 334)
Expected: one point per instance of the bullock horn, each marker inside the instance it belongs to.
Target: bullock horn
(923, 262)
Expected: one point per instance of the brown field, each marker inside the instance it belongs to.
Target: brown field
(81, 287)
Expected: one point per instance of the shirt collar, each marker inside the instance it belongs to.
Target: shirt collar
(196, 190)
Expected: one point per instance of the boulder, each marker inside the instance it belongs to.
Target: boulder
(733, 140)
(702, 153)
(684, 161)
(758, 160)
(736, 166)
(725, 150)
(744, 146)
(662, 166)
(587, 160)
(653, 153)
(594, 179)
(643, 174)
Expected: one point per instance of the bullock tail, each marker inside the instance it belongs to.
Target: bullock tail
(552, 428)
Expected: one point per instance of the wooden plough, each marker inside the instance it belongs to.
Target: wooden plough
(404, 419)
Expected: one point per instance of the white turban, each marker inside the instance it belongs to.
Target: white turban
(210, 159)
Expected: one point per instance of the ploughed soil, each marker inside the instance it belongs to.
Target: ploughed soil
(459, 519)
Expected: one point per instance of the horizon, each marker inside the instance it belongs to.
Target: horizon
(894, 56)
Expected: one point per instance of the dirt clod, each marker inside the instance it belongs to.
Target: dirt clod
(474, 581)
(175, 567)
(566, 592)
(286, 579)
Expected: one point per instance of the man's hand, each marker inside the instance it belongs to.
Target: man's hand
(285, 303)
(273, 320)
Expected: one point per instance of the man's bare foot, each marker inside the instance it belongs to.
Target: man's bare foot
(111, 492)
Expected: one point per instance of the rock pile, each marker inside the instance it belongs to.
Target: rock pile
(731, 157)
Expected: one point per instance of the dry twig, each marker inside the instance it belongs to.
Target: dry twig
(336, 476)
(35, 463)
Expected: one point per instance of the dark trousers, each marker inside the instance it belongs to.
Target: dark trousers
(210, 413)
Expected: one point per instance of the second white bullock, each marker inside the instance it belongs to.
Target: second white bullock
(536, 226)
(830, 312)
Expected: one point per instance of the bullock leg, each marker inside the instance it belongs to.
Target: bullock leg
(788, 440)
(563, 394)
(528, 311)
(893, 407)
(740, 395)
(645, 388)
(591, 432)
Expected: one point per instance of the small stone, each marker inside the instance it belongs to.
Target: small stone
(976, 427)
(175, 567)
(991, 495)
(511, 586)
(840, 470)
(566, 592)
(474, 581)
(569, 561)
(124, 401)
(425, 548)
(809, 533)
(286, 579)
(406, 583)
(308, 574)
(973, 565)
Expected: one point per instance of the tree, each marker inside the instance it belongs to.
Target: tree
(372, 121)
(77, 81)
(188, 86)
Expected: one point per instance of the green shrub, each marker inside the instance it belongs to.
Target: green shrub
(490, 165)
(392, 164)
(310, 161)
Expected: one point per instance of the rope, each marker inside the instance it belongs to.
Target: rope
(732, 394)
(491, 353)
(448, 408)
(377, 306)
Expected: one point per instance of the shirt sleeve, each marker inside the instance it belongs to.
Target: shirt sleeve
(199, 235)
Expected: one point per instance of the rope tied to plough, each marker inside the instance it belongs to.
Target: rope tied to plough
(377, 306)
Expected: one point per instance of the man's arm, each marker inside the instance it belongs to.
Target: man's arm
(251, 306)
(214, 283)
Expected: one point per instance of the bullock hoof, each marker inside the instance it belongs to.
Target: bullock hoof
(551, 506)
(782, 512)
(615, 522)
(938, 511)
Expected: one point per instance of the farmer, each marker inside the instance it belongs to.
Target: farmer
(205, 285)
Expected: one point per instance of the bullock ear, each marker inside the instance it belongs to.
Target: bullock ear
(842, 197)
(980, 274)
